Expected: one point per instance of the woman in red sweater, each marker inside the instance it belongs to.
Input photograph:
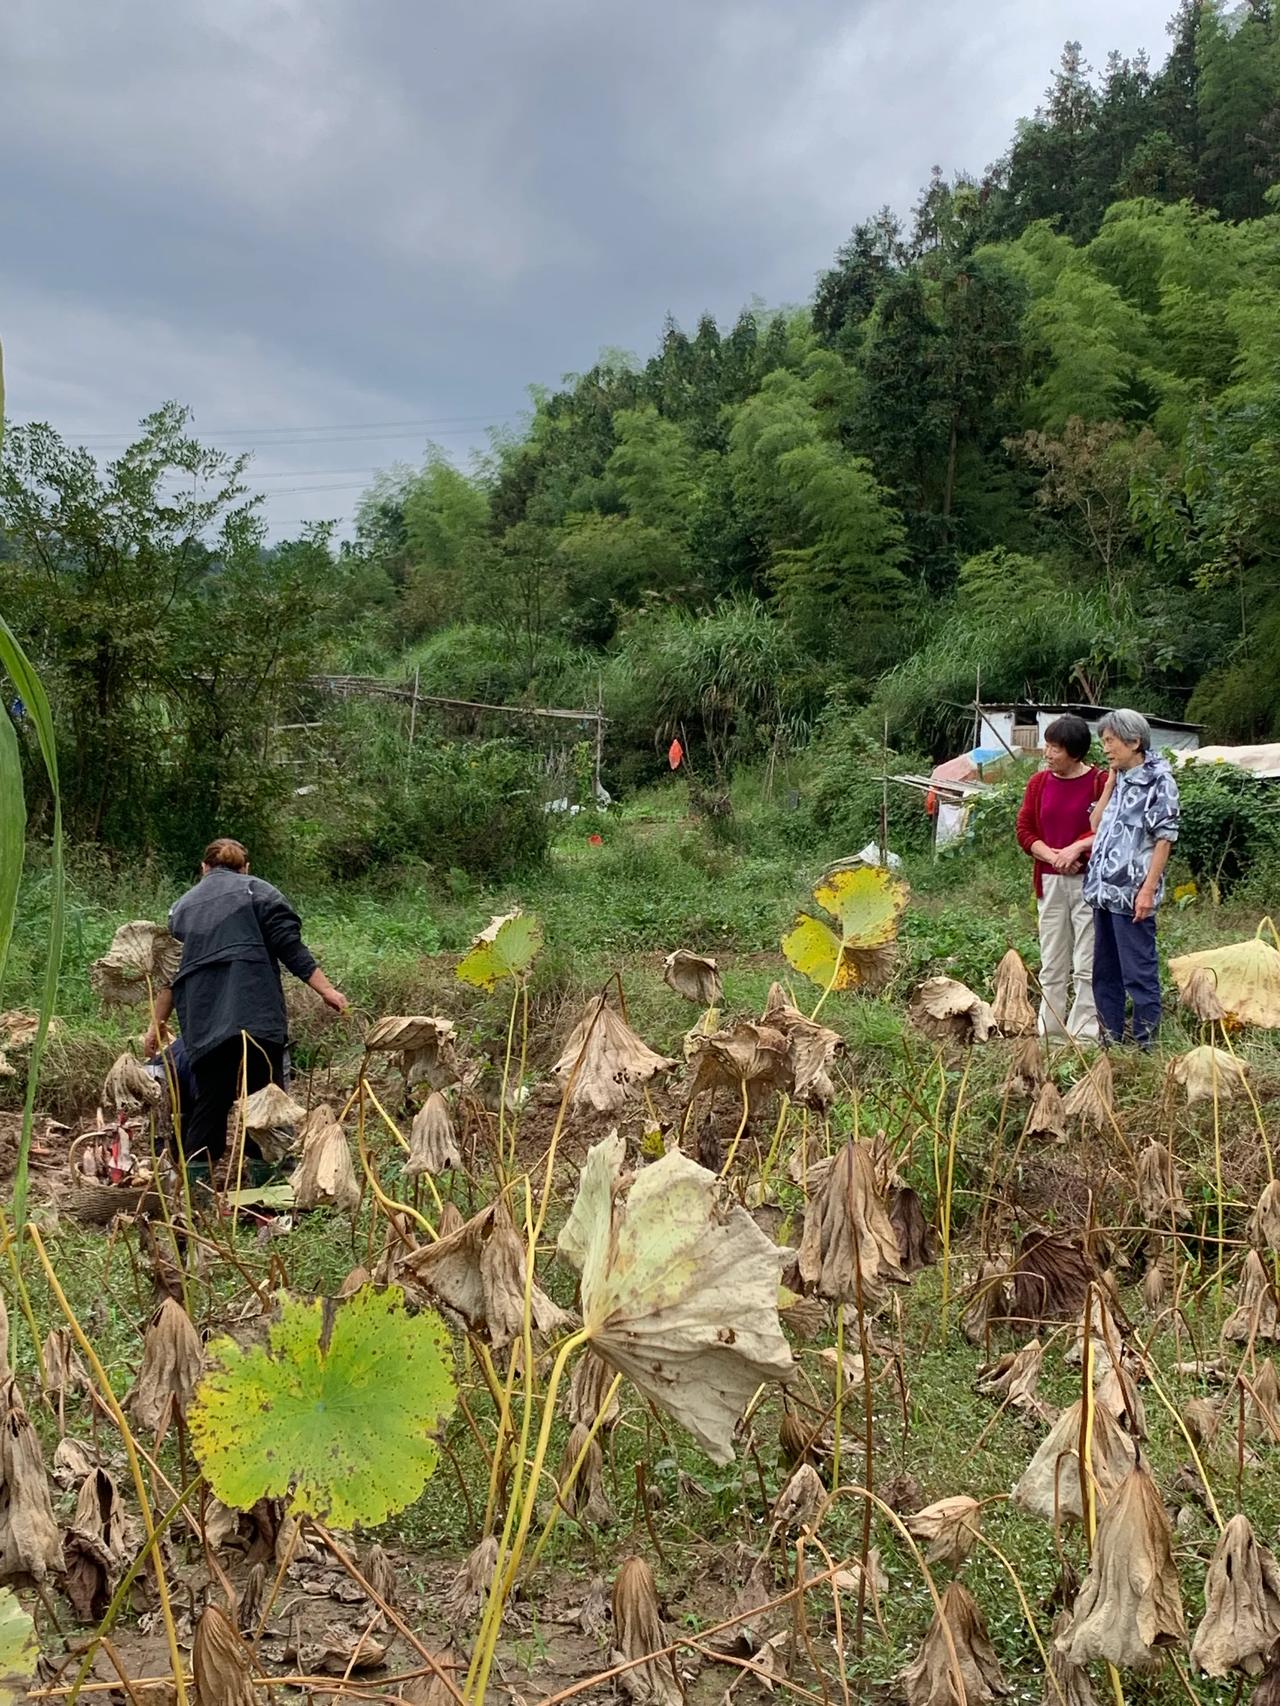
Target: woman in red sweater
(1053, 827)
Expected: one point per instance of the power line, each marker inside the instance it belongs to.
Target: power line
(308, 434)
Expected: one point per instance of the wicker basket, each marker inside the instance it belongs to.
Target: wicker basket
(97, 1204)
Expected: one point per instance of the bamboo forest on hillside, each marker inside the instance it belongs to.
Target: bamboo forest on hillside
(695, 1220)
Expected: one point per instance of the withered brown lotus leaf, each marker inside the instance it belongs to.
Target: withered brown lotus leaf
(798, 1502)
(141, 954)
(433, 1145)
(799, 1442)
(1200, 993)
(326, 1173)
(693, 976)
(813, 1049)
(1202, 1419)
(466, 1591)
(380, 1573)
(410, 1033)
(1091, 1099)
(221, 1662)
(100, 1512)
(96, 1547)
(1208, 1073)
(1155, 1284)
(1257, 1313)
(29, 1541)
(1014, 1378)
(748, 1057)
(1048, 1116)
(1117, 1391)
(1262, 1404)
(1050, 1484)
(615, 1064)
(951, 1526)
(1266, 1690)
(1160, 1195)
(64, 1373)
(72, 1461)
(1130, 1607)
(915, 1235)
(847, 1229)
(1050, 1279)
(271, 1107)
(638, 1633)
(930, 1679)
(588, 1386)
(129, 1087)
(804, 1316)
(172, 1360)
(949, 1011)
(477, 1273)
(1012, 1007)
(431, 1690)
(1026, 1072)
(1264, 1222)
(585, 1495)
(1241, 1623)
(989, 1302)
(1065, 1684)
(1105, 1341)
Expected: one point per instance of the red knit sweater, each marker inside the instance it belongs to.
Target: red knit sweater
(1029, 826)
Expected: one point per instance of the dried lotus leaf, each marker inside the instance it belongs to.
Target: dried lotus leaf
(949, 1011)
(1050, 1484)
(693, 976)
(800, 1499)
(466, 1591)
(638, 1634)
(931, 1678)
(128, 1086)
(749, 1056)
(142, 957)
(1241, 1623)
(1050, 1279)
(1014, 1014)
(482, 1288)
(29, 1541)
(1264, 1222)
(849, 1243)
(222, 1662)
(584, 1496)
(1257, 1312)
(172, 1362)
(270, 1108)
(1208, 1074)
(1026, 1072)
(433, 1145)
(409, 1034)
(612, 1062)
(1091, 1099)
(951, 1526)
(813, 1049)
(326, 1173)
(1160, 1195)
(1048, 1116)
(1246, 979)
(1129, 1610)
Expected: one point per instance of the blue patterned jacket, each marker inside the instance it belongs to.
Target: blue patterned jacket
(1142, 810)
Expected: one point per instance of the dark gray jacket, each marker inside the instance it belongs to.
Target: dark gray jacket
(235, 931)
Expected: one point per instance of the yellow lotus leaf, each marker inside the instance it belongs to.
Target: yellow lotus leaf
(506, 947)
(1246, 976)
(866, 904)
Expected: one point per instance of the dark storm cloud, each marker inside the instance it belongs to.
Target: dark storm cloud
(326, 212)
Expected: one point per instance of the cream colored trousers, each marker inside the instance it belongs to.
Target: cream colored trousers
(1066, 960)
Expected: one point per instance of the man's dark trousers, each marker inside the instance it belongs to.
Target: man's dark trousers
(1125, 965)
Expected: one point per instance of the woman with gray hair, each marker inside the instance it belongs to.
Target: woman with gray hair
(1135, 825)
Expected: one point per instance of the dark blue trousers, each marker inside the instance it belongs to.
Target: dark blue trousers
(1125, 967)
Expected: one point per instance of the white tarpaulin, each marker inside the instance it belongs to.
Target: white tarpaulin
(1257, 760)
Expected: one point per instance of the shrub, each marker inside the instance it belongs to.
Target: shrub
(1230, 823)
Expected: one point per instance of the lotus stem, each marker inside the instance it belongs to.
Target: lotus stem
(576, 1469)
(399, 1137)
(506, 1073)
(389, 1204)
(839, 1405)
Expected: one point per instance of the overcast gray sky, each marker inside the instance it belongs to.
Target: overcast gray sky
(338, 228)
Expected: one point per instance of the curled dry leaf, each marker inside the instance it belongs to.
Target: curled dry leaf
(172, 1360)
(804, 1316)
(849, 1242)
(221, 1662)
(1262, 1404)
(427, 1047)
(433, 1146)
(1201, 1417)
(1117, 1391)
(1048, 1116)
(798, 1502)
(129, 1087)
(1091, 1099)
(1026, 1072)
(1104, 1337)
(951, 1526)
(812, 1047)
(588, 1386)
(1246, 979)
(1050, 1279)
(72, 1461)
(751, 1059)
(1241, 1621)
(989, 1302)
(584, 1496)
(1264, 1222)
(849, 1580)
(949, 1011)
(914, 1233)
(1155, 1283)
(1014, 1378)
(679, 1289)
(477, 1274)
(1206, 1073)
(97, 1547)
(29, 1542)
(431, 1690)
(1200, 994)
(380, 1574)
(270, 1108)
(465, 1594)
(1014, 1014)
(326, 1173)
(930, 1679)
(335, 1651)
(1257, 1313)
(694, 977)
(1050, 1484)
(799, 1442)
(1130, 1607)
(64, 1373)
(1066, 1684)
(1160, 1195)
(615, 1062)
(141, 954)
(638, 1633)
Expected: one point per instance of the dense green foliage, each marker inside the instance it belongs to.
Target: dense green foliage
(1032, 433)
